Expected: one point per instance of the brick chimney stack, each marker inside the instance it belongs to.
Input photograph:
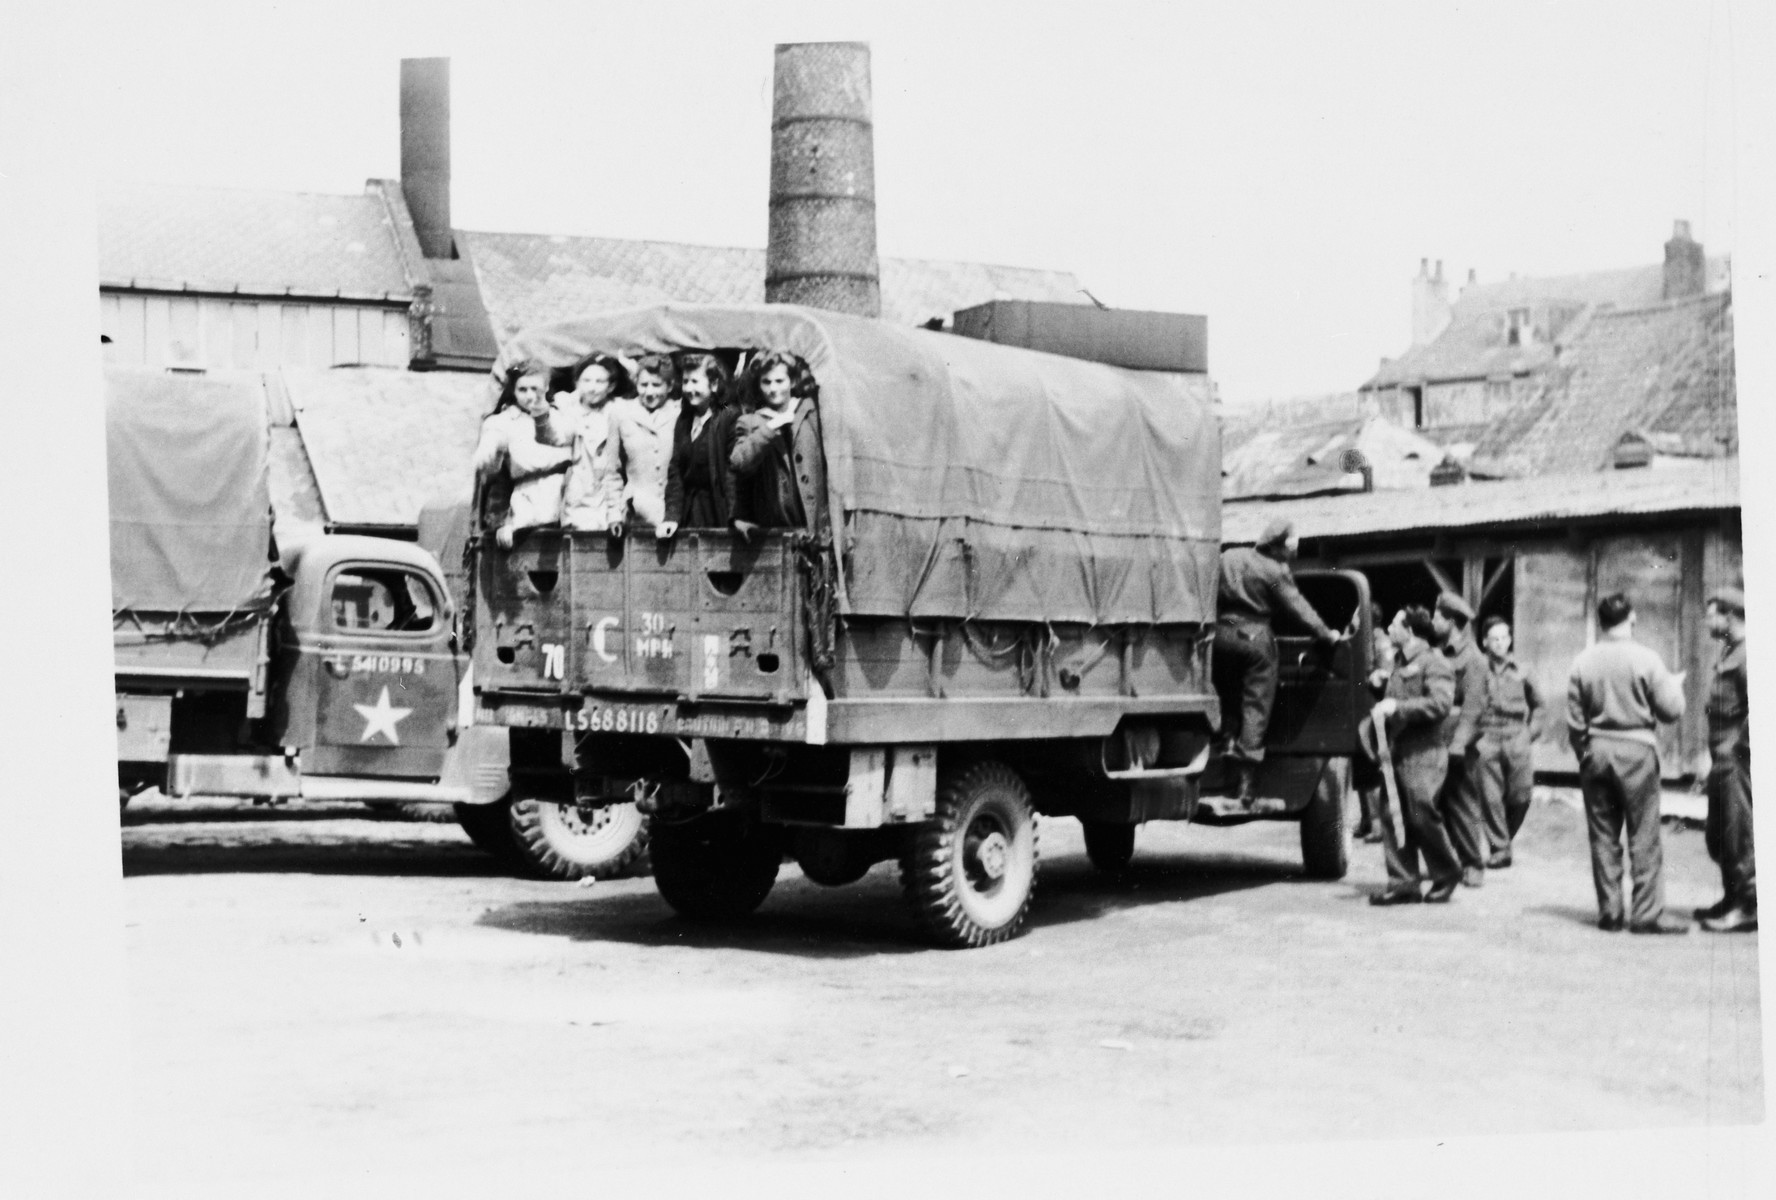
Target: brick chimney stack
(425, 151)
(821, 249)
(1430, 303)
(1685, 267)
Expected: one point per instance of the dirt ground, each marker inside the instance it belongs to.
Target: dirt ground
(320, 994)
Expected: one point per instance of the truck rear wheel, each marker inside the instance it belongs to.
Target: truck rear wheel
(716, 867)
(1325, 825)
(972, 869)
(566, 841)
(1109, 844)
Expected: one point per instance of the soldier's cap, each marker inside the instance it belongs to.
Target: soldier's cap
(1277, 532)
(1452, 605)
(1728, 599)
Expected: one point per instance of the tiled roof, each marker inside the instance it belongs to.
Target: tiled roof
(1260, 457)
(1665, 370)
(261, 243)
(1679, 487)
(382, 441)
(1475, 344)
(534, 279)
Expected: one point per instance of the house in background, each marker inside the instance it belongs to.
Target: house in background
(1583, 436)
(531, 279)
(1477, 360)
(1640, 386)
(216, 278)
(371, 320)
(213, 278)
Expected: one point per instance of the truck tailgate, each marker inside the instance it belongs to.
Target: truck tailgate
(147, 653)
(704, 616)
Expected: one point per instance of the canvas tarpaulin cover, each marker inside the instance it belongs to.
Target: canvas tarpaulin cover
(971, 480)
(190, 501)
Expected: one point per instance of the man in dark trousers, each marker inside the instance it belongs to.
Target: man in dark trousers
(1618, 694)
(1463, 806)
(1728, 769)
(1256, 585)
(1420, 691)
(1504, 766)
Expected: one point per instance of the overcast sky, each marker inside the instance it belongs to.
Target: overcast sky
(1280, 167)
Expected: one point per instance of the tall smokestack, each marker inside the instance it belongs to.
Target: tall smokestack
(822, 247)
(425, 151)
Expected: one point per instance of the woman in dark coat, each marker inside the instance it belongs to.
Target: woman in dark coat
(776, 455)
(699, 484)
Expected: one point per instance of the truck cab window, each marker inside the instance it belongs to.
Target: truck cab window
(386, 601)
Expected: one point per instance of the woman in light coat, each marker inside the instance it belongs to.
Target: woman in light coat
(593, 495)
(645, 428)
(519, 440)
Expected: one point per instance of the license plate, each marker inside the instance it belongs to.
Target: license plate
(663, 720)
(619, 718)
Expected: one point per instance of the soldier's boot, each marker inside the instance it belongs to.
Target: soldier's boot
(1248, 798)
(1247, 774)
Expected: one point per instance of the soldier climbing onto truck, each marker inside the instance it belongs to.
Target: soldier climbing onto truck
(1256, 584)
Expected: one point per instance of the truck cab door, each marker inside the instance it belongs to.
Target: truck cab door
(373, 673)
(1322, 695)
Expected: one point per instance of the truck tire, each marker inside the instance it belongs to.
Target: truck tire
(565, 841)
(716, 867)
(1325, 825)
(971, 872)
(1109, 844)
(489, 826)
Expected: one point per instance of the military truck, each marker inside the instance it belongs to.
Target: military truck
(1003, 605)
(326, 668)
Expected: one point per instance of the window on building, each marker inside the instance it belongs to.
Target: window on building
(1498, 397)
(1519, 331)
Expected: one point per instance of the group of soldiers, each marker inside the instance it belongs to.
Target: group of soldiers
(1453, 727)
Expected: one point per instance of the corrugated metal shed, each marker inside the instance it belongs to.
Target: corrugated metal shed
(1262, 458)
(535, 279)
(257, 243)
(1680, 487)
(382, 442)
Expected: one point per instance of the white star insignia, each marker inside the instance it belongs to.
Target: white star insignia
(381, 717)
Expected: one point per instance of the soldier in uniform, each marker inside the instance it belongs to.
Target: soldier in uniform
(1728, 769)
(1256, 585)
(1618, 694)
(1420, 693)
(1463, 807)
(1503, 766)
(1382, 653)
